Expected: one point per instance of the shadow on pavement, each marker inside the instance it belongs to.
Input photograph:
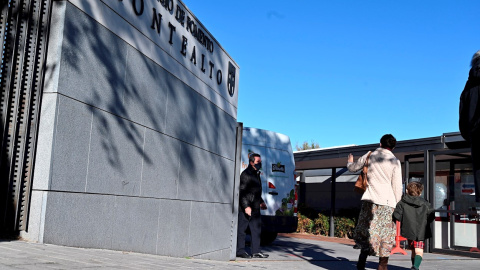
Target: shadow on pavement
(321, 254)
(290, 248)
(350, 265)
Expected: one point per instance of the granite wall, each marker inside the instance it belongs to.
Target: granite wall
(136, 150)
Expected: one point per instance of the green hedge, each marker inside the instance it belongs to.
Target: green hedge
(313, 222)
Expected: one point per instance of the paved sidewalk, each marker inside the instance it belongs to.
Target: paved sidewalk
(322, 238)
(286, 253)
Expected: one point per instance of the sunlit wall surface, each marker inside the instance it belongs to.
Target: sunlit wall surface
(136, 145)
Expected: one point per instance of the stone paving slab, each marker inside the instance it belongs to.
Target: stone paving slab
(285, 253)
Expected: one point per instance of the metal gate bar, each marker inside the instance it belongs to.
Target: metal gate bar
(24, 36)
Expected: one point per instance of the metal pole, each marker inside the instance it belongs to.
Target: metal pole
(332, 204)
(236, 187)
(301, 175)
(407, 174)
(429, 180)
(452, 225)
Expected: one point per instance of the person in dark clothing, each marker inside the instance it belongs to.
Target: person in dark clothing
(469, 120)
(250, 204)
(415, 215)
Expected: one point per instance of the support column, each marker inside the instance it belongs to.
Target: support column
(332, 204)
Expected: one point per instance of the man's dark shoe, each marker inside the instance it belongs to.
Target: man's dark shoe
(260, 255)
(244, 255)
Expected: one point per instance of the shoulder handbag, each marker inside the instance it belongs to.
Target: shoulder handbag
(362, 183)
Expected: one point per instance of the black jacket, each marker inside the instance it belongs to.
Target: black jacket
(469, 121)
(250, 190)
(415, 215)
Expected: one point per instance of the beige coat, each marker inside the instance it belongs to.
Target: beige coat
(384, 177)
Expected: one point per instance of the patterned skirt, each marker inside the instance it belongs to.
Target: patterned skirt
(375, 231)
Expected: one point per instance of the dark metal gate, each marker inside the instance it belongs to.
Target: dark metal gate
(23, 33)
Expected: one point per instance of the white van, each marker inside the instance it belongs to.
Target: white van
(278, 180)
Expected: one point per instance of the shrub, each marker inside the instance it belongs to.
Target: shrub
(322, 224)
(313, 222)
(305, 225)
(344, 227)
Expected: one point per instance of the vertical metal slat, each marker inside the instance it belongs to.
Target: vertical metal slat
(17, 111)
(13, 42)
(38, 63)
(25, 110)
(24, 28)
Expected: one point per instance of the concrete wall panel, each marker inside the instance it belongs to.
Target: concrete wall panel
(135, 224)
(222, 174)
(181, 111)
(145, 95)
(116, 153)
(202, 236)
(208, 119)
(79, 220)
(92, 67)
(226, 135)
(173, 228)
(160, 166)
(72, 143)
(222, 223)
(195, 178)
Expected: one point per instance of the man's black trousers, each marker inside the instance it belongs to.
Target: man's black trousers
(255, 224)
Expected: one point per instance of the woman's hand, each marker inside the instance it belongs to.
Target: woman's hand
(350, 158)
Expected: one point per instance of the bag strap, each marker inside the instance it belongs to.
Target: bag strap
(365, 166)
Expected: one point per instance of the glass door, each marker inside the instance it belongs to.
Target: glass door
(456, 225)
(415, 170)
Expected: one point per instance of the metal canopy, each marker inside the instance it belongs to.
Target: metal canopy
(337, 157)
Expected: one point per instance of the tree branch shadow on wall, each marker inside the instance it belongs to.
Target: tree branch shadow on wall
(124, 106)
(95, 54)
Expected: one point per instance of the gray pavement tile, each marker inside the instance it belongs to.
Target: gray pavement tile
(285, 253)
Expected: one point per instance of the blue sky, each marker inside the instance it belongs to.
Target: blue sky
(347, 72)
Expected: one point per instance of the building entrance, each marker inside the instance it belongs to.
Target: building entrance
(443, 164)
(456, 225)
(450, 190)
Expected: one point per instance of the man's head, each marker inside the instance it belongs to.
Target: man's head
(414, 188)
(388, 141)
(256, 161)
(475, 59)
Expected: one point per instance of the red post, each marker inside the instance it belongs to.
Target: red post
(474, 249)
(398, 238)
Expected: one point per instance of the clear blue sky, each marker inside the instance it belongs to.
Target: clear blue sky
(347, 72)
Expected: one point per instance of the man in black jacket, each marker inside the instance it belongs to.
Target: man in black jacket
(250, 203)
(469, 122)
